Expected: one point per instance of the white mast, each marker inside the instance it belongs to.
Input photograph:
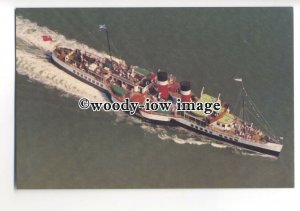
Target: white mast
(202, 92)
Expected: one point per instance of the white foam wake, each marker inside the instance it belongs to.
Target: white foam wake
(221, 146)
(30, 61)
(32, 34)
(188, 137)
(39, 69)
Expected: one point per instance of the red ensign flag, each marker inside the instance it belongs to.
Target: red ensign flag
(47, 38)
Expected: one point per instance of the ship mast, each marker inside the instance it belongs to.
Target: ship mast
(104, 27)
(243, 109)
(243, 92)
(252, 109)
(108, 43)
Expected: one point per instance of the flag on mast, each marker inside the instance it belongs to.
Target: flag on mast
(47, 38)
(102, 26)
(238, 79)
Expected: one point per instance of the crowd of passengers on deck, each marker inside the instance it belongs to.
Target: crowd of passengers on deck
(83, 61)
(247, 131)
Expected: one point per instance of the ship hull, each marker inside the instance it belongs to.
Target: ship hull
(70, 70)
(271, 149)
(154, 118)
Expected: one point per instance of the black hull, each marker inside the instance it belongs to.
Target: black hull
(174, 123)
(82, 80)
(235, 143)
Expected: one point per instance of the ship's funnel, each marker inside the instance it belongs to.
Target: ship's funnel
(185, 91)
(162, 84)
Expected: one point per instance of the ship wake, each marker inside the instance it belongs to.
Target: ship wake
(31, 61)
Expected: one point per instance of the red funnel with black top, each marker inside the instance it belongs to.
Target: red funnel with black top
(163, 84)
(185, 91)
